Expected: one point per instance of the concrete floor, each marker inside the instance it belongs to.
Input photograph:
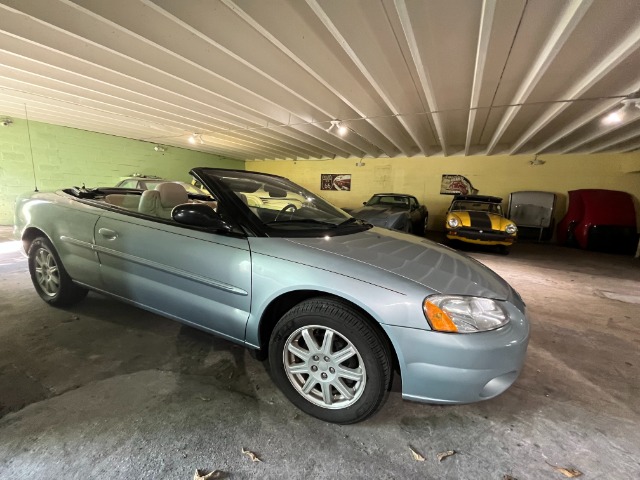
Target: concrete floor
(105, 390)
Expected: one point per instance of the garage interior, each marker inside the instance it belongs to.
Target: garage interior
(515, 95)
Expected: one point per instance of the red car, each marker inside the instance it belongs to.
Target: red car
(603, 220)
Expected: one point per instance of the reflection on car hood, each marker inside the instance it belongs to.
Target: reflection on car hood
(376, 212)
(431, 264)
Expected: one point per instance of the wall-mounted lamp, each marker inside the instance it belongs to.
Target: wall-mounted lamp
(159, 148)
(339, 127)
(360, 163)
(196, 138)
(536, 161)
(6, 122)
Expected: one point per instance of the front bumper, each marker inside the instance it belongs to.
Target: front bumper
(481, 237)
(460, 368)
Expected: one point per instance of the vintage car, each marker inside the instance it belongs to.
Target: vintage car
(479, 219)
(335, 304)
(602, 220)
(395, 211)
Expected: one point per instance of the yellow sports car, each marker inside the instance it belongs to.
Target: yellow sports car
(479, 219)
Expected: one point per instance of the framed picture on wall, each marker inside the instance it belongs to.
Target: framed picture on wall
(456, 185)
(335, 181)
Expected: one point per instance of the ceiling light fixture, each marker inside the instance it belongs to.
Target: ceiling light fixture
(159, 148)
(6, 122)
(613, 118)
(196, 138)
(340, 127)
(631, 102)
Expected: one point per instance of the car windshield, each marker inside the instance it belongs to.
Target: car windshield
(390, 200)
(462, 205)
(282, 205)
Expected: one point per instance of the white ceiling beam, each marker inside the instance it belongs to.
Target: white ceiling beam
(631, 148)
(568, 21)
(586, 118)
(423, 72)
(67, 108)
(342, 41)
(484, 34)
(614, 141)
(626, 47)
(282, 47)
(599, 132)
(321, 135)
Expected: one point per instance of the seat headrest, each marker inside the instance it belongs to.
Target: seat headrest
(171, 194)
(149, 202)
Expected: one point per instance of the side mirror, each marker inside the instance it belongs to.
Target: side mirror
(199, 215)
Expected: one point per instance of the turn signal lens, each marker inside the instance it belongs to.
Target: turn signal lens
(462, 314)
(438, 319)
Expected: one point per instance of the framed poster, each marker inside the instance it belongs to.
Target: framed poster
(456, 185)
(335, 181)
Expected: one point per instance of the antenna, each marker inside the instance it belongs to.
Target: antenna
(33, 165)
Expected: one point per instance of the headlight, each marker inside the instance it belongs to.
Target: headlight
(453, 222)
(449, 313)
(511, 229)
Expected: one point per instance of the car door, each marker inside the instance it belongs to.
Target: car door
(198, 277)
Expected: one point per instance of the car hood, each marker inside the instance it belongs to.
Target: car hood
(484, 220)
(376, 212)
(431, 264)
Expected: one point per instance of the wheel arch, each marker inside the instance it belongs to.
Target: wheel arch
(286, 301)
(29, 235)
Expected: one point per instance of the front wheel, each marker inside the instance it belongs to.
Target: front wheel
(50, 279)
(329, 362)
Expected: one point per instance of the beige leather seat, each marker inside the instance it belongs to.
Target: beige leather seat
(129, 202)
(160, 201)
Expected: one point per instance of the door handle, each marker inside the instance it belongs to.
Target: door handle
(108, 233)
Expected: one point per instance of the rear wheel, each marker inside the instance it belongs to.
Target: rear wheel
(330, 362)
(50, 279)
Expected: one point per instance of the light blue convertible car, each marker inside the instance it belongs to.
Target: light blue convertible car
(336, 304)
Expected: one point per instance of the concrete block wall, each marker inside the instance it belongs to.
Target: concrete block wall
(63, 157)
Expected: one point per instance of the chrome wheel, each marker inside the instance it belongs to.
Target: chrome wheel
(47, 272)
(324, 367)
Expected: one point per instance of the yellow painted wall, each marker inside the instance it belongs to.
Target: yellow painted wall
(493, 175)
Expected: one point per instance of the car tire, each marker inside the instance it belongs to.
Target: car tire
(49, 277)
(330, 362)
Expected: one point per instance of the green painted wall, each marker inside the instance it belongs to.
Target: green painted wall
(63, 157)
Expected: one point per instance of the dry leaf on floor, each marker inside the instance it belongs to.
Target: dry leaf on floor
(443, 455)
(251, 455)
(416, 456)
(508, 477)
(568, 472)
(200, 475)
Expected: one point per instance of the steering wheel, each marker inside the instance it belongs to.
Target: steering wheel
(285, 208)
